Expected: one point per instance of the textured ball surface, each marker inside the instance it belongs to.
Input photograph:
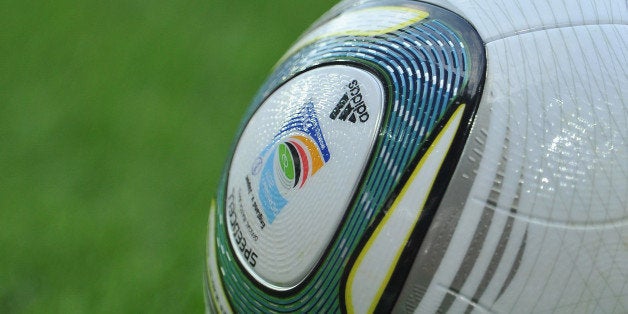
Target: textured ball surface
(447, 156)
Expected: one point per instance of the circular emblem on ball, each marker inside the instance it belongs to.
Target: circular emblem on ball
(295, 169)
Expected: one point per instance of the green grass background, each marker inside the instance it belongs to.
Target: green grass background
(115, 120)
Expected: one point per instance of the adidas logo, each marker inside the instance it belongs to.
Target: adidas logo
(351, 107)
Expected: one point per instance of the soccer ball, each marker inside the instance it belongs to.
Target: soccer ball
(450, 156)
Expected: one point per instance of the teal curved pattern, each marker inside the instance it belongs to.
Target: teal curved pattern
(425, 68)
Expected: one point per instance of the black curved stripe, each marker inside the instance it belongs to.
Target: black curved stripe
(515, 265)
(479, 237)
(501, 247)
(296, 161)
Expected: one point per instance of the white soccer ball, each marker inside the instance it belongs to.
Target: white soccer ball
(450, 156)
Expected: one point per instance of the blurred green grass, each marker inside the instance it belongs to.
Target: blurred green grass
(115, 120)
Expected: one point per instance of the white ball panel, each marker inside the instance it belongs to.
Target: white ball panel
(502, 18)
(558, 113)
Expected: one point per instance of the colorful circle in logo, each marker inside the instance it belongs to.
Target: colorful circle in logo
(297, 159)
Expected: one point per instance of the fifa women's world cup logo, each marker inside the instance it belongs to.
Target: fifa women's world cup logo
(296, 153)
